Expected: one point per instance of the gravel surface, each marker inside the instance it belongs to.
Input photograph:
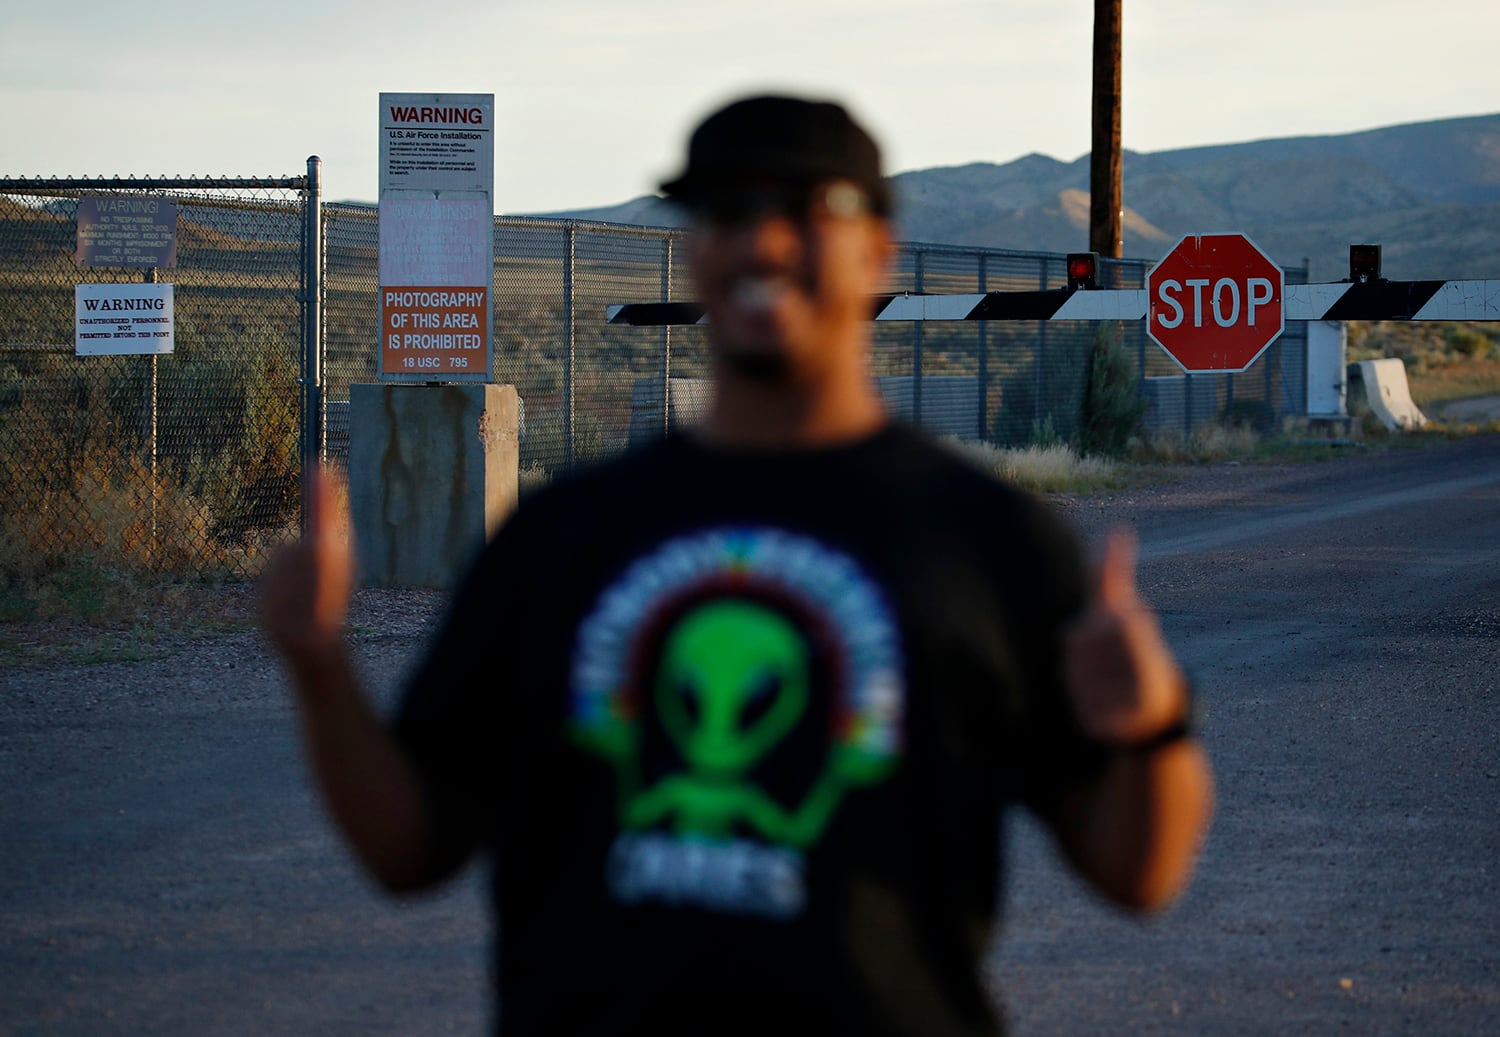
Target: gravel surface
(166, 869)
(1343, 623)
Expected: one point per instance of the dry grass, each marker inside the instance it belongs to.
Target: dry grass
(1441, 382)
(82, 550)
(1043, 469)
(99, 539)
(115, 599)
(83, 578)
(1210, 442)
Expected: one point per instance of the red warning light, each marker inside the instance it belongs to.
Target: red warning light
(1083, 267)
(1364, 263)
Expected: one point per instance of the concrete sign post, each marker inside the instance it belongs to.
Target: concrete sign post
(1215, 302)
(437, 172)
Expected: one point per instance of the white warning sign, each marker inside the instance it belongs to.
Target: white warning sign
(437, 236)
(437, 142)
(122, 319)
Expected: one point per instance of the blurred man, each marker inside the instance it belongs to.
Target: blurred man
(738, 714)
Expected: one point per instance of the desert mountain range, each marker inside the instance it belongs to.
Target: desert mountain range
(1428, 193)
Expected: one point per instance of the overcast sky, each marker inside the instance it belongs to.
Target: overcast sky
(594, 97)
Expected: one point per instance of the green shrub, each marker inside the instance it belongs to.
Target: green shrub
(1467, 342)
(1110, 409)
(1044, 434)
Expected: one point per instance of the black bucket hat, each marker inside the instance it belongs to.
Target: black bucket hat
(782, 138)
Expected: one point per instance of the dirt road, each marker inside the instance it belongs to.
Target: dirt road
(1343, 621)
(165, 869)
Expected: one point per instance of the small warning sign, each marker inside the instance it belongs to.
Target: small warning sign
(122, 319)
(116, 230)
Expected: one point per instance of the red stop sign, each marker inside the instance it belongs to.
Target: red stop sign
(1214, 302)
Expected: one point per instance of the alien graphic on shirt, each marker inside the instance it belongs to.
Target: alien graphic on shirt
(733, 680)
(741, 682)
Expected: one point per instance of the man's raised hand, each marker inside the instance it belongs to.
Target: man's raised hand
(306, 586)
(1126, 687)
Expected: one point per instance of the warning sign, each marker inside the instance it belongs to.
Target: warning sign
(437, 142)
(436, 235)
(115, 230)
(434, 331)
(122, 319)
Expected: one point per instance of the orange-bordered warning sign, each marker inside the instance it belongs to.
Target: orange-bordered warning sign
(434, 331)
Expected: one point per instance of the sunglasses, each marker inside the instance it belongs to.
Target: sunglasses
(741, 205)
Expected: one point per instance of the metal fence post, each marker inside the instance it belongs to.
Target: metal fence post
(984, 355)
(1278, 406)
(569, 342)
(1038, 377)
(1140, 367)
(312, 338)
(666, 339)
(916, 347)
(149, 277)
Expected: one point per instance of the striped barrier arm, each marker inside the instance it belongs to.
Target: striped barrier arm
(1340, 300)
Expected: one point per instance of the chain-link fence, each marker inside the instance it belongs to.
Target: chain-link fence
(187, 462)
(190, 462)
(589, 388)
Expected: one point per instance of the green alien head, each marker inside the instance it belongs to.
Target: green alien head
(733, 681)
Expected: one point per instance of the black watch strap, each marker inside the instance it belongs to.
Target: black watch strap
(1183, 729)
(1180, 731)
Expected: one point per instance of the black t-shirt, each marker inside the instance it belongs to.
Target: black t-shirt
(739, 727)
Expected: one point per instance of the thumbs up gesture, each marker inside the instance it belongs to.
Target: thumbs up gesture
(1126, 687)
(306, 587)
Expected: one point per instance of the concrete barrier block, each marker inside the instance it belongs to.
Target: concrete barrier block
(1388, 394)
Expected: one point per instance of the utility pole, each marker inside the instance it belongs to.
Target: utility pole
(1105, 165)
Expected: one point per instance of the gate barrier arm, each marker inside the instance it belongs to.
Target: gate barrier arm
(1471, 300)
